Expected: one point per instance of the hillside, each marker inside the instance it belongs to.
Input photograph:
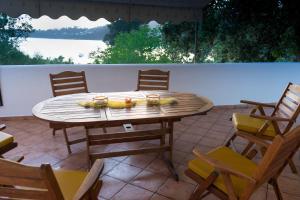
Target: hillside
(97, 33)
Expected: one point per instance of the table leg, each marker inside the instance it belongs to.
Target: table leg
(163, 138)
(169, 161)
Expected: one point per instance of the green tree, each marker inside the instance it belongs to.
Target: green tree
(120, 26)
(179, 40)
(138, 46)
(241, 31)
(12, 30)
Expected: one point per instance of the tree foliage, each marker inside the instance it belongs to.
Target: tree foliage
(13, 29)
(120, 26)
(138, 46)
(241, 31)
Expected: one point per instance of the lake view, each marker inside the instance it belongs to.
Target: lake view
(77, 50)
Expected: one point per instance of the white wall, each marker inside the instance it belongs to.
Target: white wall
(225, 84)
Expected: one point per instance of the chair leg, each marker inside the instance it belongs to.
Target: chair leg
(67, 140)
(293, 166)
(163, 138)
(231, 139)
(54, 131)
(201, 188)
(247, 148)
(274, 183)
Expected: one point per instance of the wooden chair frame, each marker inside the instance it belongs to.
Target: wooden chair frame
(65, 83)
(68, 82)
(286, 110)
(153, 79)
(276, 157)
(28, 182)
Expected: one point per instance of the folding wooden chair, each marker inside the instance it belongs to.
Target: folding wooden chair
(281, 120)
(153, 79)
(7, 143)
(230, 175)
(64, 83)
(18, 181)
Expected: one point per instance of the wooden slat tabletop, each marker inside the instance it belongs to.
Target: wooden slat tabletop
(66, 109)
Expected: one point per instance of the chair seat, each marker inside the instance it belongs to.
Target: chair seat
(230, 158)
(245, 123)
(69, 181)
(5, 139)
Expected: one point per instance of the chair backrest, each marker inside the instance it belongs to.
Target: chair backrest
(153, 80)
(68, 83)
(288, 105)
(19, 181)
(276, 157)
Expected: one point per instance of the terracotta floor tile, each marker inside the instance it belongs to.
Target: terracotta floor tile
(149, 180)
(40, 159)
(110, 187)
(289, 186)
(179, 157)
(36, 143)
(158, 197)
(220, 128)
(217, 135)
(183, 146)
(131, 192)
(176, 190)
(159, 166)
(124, 172)
(191, 138)
(140, 161)
(213, 142)
(205, 124)
(211, 197)
(195, 130)
(109, 164)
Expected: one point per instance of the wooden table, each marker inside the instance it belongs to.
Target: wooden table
(66, 110)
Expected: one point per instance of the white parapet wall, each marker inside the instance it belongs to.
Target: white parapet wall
(225, 84)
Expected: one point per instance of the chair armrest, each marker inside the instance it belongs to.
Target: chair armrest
(270, 118)
(2, 127)
(90, 180)
(221, 166)
(255, 140)
(258, 103)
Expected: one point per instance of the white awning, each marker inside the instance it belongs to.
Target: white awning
(143, 10)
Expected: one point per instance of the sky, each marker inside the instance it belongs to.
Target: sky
(45, 22)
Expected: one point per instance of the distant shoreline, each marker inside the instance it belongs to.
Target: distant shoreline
(97, 33)
(59, 38)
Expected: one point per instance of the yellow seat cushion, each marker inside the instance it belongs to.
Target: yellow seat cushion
(69, 181)
(243, 122)
(5, 139)
(229, 158)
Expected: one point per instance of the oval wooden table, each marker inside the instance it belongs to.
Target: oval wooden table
(66, 110)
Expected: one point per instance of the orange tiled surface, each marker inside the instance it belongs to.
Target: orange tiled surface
(141, 177)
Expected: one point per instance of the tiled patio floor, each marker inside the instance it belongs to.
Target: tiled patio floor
(144, 176)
